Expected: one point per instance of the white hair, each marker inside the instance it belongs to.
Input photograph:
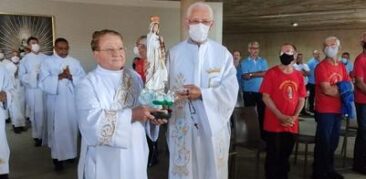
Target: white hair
(332, 38)
(200, 5)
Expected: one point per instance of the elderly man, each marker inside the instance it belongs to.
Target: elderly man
(359, 160)
(237, 57)
(328, 110)
(59, 75)
(312, 63)
(202, 73)
(6, 86)
(251, 71)
(29, 75)
(111, 123)
(284, 94)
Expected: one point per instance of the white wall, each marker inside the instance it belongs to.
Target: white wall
(77, 21)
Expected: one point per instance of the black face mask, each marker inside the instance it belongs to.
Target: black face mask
(286, 59)
(364, 45)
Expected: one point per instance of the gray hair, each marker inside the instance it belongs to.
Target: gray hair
(332, 38)
(199, 5)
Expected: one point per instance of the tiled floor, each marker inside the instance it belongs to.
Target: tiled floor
(29, 162)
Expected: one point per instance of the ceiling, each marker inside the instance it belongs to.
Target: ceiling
(246, 16)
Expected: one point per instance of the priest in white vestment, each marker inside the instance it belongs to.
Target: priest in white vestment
(6, 87)
(202, 73)
(29, 74)
(59, 75)
(112, 125)
(17, 106)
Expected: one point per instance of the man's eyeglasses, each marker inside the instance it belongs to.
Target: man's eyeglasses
(196, 21)
(112, 50)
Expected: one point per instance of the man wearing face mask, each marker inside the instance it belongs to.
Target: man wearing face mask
(359, 159)
(17, 107)
(328, 110)
(29, 75)
(284, 94)
(59, 74)
(346, 60)
(202, 74)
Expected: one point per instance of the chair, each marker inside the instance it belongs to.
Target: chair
(346, 132)
(303, 139)
(245, 134)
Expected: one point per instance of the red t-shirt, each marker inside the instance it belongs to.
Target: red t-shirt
(326, 71)
(140, 68)
(285, 91)
(359, 70)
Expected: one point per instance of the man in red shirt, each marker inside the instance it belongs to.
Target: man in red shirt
(284, 92)
(359, 70)
(328, 110)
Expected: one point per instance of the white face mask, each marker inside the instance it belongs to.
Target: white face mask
(35, 48)
(344, 60)
(1, 56)
(15, 59)
(331, 51)
(198, 32)
(136, 51)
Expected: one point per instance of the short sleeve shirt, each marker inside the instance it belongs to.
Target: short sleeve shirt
(285, 91)
(359, 71)
(326, 71)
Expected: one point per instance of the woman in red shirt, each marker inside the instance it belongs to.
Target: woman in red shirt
(284, 92)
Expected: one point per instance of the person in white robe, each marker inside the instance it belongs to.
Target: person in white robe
(17, 107)
(59, 75)
(202, 73)
(4, 61)
(29, 75)
(112, 124)
(6, 87)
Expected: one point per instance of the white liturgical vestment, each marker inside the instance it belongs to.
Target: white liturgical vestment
(113, 146)
(29, 74)
(7, 86)
(17, 106)
(199, 130)
(61, 119)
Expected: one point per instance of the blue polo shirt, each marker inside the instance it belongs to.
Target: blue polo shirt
(249, 65)
(349, 66)
(312, 63)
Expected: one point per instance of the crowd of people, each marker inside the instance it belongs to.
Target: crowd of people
(117, 132)
(280, 94)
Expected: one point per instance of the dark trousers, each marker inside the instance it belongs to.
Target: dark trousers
(153, 152)
(255, 99)
(279, 147)
(311, 98)
(359, 159)
(326, 142)
(4, 176)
